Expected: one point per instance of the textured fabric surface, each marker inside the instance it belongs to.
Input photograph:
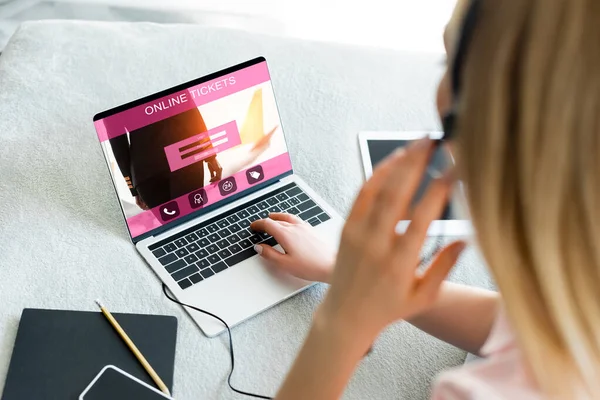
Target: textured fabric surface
(63, 240)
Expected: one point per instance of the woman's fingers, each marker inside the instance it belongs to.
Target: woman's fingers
(286, 217)
(429, 208)
(267, 225)
(428, 285)
(365, 199)
(269, 253)
(396, 195)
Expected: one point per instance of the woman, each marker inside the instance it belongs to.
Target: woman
(526, 146)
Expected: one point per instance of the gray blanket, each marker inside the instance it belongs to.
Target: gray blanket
(63, 242)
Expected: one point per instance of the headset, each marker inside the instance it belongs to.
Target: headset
(449, 119)
(456, 69)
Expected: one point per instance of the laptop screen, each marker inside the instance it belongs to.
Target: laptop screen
(180, 151)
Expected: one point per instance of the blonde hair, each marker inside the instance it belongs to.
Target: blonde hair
(528, 150)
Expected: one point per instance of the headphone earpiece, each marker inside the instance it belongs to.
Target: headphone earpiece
(448, 124)
(466, 34)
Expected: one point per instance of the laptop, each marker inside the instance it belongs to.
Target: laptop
(192, 167)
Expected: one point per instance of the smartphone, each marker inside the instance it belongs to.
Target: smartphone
(114, 383)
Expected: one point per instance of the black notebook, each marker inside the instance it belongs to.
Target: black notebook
(58, 353)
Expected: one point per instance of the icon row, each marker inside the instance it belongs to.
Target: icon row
(198, 198)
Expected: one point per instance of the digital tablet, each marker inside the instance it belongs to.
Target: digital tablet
(376, 146)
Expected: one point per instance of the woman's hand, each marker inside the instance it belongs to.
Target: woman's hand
(306, 256)
(375, 280)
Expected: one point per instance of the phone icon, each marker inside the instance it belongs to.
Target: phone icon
(169, 211)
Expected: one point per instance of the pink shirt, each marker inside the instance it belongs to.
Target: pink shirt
(501, 375)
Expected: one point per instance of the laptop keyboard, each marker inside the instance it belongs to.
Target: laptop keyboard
(211, 247)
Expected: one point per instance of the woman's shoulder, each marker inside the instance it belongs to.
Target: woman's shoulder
(502, 374)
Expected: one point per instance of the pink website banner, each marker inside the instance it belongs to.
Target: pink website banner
(168, 106)
(197, 148)
(152, 219)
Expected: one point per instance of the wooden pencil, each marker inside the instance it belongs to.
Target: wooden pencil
(136, 352)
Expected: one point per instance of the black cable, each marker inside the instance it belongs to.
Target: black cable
(258, 396)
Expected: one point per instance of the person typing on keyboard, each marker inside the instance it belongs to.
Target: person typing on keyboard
(214, 246)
